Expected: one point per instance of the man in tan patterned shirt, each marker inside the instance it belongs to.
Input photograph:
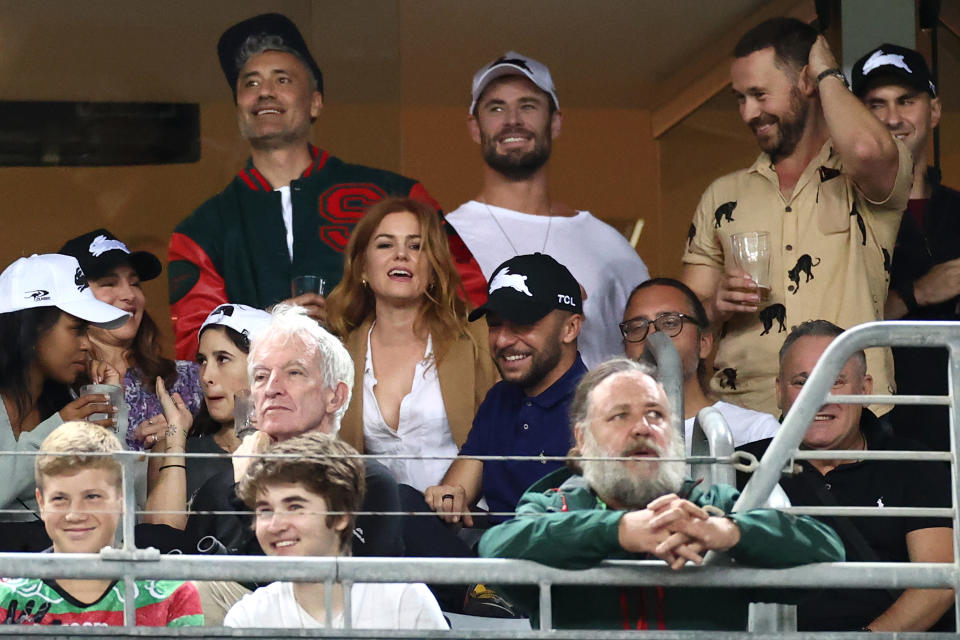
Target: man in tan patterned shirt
(829, 188)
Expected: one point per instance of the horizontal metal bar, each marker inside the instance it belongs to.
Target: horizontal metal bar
(886, 398)
(933, 512)
(882, 512)
(859, 454)
(51, 632)
(461, 571)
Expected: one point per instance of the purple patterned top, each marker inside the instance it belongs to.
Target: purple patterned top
(144, 405)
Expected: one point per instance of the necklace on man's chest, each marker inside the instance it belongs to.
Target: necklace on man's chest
(516, 252)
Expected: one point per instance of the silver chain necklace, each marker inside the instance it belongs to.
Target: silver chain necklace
(516, 252)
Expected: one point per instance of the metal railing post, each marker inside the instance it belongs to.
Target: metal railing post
(546, 607)
(712, 437)
(771, 617)
(671, 374)
(953, 389)
(129, 459)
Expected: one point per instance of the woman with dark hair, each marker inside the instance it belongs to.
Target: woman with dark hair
(222, 355)
(133, 350)
(45, 309)
(421, 369)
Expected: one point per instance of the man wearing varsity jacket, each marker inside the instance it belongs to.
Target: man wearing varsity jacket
(291, 209)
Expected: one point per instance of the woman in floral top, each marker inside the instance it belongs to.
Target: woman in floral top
(133, 351)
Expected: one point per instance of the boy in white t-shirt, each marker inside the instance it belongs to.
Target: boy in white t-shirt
(305, 506)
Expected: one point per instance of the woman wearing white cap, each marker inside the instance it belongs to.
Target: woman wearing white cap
(222, 355)
(45, 309)
(133, 350)
(421, 369)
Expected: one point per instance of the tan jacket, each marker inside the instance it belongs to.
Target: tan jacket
(465, 377)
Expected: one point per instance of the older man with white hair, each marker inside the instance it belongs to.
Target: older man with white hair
(300, 381)
(300, 378)
(627, 498)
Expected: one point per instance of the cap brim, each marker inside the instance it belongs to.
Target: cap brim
(889, 75)
(500, 71)
(146, 264)
(99, 314)
(527, 313)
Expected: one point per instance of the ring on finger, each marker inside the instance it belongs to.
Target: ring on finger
(447, 496)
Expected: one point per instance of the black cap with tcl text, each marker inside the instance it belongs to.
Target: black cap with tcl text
(890, 64)
(526, 288)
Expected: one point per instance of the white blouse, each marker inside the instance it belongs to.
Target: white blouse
(423, 428)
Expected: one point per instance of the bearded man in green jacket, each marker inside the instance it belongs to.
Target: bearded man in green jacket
(643, 508)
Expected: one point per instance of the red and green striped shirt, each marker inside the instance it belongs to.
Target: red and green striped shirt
(160, 603)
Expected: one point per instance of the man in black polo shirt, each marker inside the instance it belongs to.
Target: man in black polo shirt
(896, 86)
(869, 483)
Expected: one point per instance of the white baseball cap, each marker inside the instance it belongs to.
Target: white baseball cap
(54, 280)
(247, 321)
(512, 64)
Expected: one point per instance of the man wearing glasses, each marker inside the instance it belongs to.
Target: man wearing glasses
(668, 305)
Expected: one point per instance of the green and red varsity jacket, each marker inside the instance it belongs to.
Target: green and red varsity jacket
(233, 248)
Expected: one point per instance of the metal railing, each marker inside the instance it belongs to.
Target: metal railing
(129, 563)
(816, 392)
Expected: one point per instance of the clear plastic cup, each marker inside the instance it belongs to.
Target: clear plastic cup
(115, 394)
(244, 418)
(307, 284)
(751, 252)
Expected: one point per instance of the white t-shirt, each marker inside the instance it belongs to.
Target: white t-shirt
(601, 260)
(286, 206)
(375, 606)
(746, 425)
(423, 429)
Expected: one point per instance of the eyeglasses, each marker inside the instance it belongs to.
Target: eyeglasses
(670, 323)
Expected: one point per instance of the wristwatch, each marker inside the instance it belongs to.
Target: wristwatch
(833, 72)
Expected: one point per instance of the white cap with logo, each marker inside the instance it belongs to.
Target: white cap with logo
(247, 321)
(54, 280)
(511, 64)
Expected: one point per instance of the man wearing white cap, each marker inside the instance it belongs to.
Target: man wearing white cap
(514, 117)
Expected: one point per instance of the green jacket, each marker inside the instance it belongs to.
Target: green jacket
(571, 528)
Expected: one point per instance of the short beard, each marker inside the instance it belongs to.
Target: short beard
(517, 166)
(283, 139)
(613, 482)
(542, 362)
(275, 141)
(790, 126)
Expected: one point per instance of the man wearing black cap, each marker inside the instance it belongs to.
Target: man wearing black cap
(514, 117)
(895, 84)
(290, 211)
(535, 312)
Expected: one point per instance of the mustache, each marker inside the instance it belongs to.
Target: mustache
(506, 132)
(642, 444)
(762, 120)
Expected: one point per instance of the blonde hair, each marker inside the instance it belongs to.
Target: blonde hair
(443, 312)
(78, 438)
